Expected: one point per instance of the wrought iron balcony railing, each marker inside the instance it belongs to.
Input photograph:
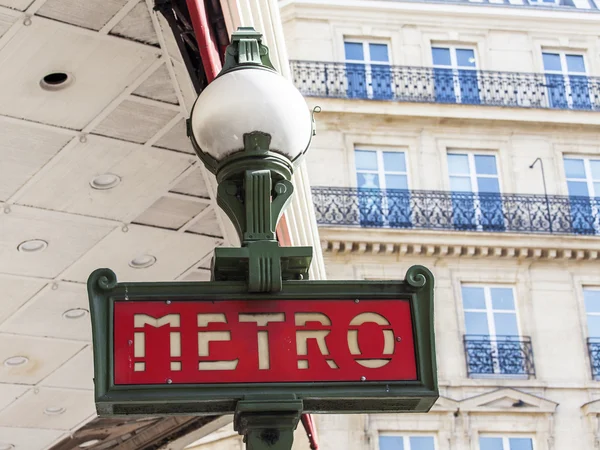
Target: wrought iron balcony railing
(594, 352)
(458, 211)
(433, 85)
(499, 355)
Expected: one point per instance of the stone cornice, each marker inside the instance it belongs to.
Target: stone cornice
(458, 244)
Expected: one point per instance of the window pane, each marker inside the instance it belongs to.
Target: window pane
(365, 160)
(394, 162)
(465, 57)
(458, 164)
(367, 180)
(396, 182)
(379, 52)
(391, 443)
(488, 185)
(421, 443)
(473, 297)
(551, 61)
(578, 188)
(575, 63)
(502, 299)
(490, 443)
(593, 323)
(476, 323)
(596, 190)
(485, 165)
(592, 300)
(441, 56)
(460, 184)
(506, 324)
(520, 444)
(354, 51)
(595, 168)
(574, 168)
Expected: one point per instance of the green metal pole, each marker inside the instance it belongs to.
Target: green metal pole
(267, 424)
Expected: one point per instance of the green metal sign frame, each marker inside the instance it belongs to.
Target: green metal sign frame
(318, 397)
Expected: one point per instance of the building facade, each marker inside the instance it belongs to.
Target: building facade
(464, 136)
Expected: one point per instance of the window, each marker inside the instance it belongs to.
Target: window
(475, 186)
(591, 297)
(455, 77)
(583, 183)
(566, 80)
(545, 2)
(490, 311)
(406, 443)
(368, 71)
(505, 443)
(378, 170)
(493, 344)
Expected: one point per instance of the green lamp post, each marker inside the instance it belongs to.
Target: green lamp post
(249, 127)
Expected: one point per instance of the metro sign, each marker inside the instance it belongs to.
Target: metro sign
(198, 348)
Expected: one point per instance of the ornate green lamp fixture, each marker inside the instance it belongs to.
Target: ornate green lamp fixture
(249, 127)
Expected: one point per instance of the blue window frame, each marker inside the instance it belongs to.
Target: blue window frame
(505, 443)
(382, 182)
(455, 75)
(405, 442)
(368, 71)
(566, 80)
(583, 184)
(475, 186)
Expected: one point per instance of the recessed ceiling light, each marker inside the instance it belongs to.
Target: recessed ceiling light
(54, 410)
(75, 313)
(6, 446)
(143, 261)
(15, 361)
(105, 181)
(87, 444)
(32, 245)
(55, 81)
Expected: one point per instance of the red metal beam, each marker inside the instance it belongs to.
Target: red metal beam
(207, 45)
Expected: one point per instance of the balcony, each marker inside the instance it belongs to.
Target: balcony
(448, 86)
(501, 355)
(594, 352)
(456, 211)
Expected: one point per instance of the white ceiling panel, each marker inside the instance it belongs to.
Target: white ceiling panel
(135, 121)
(28, 438)
(176, 139)
(208, 224)
(158, 86)
(193, 184)
(43, 357)
(39, 408)
(172, 213)
(101, 66)
(76, 373)
(137, 25)
(145, 174)
(59, 311)
(68, 238)
(93, 14)
(15, 292)
(21, 5)
(9, 393)
(17, 165)
(7, 18)
(174, 252)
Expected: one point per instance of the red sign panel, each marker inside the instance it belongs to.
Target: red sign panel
(262, 341)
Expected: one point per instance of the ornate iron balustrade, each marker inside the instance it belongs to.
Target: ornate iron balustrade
(594, 352)
(433, 85)
(500, 355)
(458, 211)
